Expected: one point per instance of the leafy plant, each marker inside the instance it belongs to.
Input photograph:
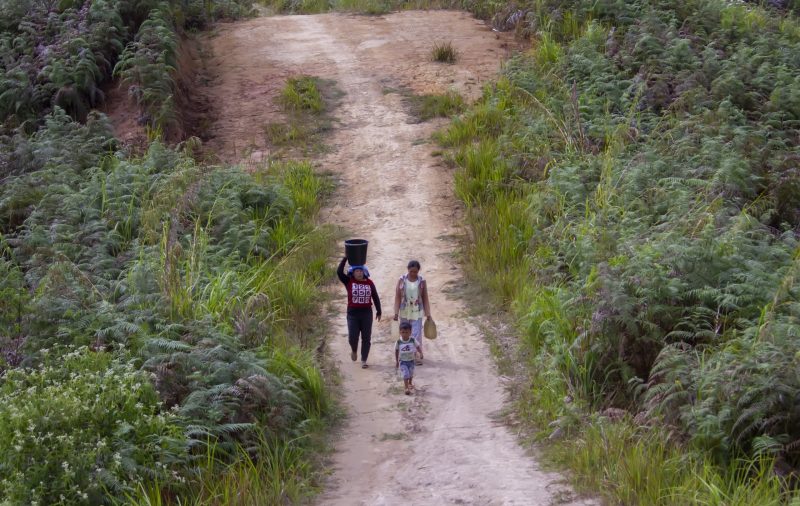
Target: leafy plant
(148, 67)
(81, 426)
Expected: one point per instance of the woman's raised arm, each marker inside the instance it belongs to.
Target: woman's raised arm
(340, 271)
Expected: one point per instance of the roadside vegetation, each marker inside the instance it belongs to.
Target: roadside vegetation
(62, 53)
(429, 106)
(157, 330)
(632, 192)
(368, 7)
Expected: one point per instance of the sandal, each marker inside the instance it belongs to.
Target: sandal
(408, 392)
(353, 356)
(364, 365)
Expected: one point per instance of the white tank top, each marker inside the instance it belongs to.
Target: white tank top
(413, 307)
(406, 350)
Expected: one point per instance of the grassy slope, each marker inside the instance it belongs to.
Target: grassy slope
(630, 193)
(157, 313)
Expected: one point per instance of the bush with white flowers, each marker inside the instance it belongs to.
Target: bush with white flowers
(80, 429)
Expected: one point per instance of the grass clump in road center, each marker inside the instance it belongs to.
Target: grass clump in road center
(302, 94)
(306, 102)
(444, 52)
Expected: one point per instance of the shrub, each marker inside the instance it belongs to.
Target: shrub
(76, 48)
(160, 273)
(82, 428)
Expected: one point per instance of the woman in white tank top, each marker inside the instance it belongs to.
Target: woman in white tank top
(411, 303)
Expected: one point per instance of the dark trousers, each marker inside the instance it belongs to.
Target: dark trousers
(359, 321)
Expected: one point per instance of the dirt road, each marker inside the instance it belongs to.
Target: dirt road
(443, 445)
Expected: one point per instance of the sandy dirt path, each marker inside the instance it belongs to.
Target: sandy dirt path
(444, 444)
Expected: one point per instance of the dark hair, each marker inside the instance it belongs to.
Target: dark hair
(414, 263)
(405, 325)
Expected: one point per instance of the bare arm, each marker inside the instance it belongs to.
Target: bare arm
(426, 305)
(376, 300)
(340, 271)
(396, 357)
(398, 294)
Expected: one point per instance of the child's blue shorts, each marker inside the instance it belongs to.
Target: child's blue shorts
(407, 368)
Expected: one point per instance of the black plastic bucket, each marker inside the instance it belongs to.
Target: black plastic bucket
(356, 251)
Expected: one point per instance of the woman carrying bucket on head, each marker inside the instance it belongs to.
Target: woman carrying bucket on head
(361, 293)
(411, 303)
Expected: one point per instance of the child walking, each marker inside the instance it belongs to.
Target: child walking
(404, 351)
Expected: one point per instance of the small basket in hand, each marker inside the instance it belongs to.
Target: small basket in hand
(429, 329)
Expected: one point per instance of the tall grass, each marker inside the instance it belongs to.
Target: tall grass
(369, 7)
(636, 466)
(642, 244)
(209, 277)
(275, 471)
(278, 474)
(191, 287)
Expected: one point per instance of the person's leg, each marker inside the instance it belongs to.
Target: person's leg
(366, 334)
(416, 333)
(353, 326)
(404, 371)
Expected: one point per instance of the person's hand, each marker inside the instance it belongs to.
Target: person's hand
(396, 317)
(429, 317)
(378, 317)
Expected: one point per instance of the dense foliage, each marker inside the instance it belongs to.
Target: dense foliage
(62, 53)
(121, 435)
(155, 338)
(636, 176)
(126, 277)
